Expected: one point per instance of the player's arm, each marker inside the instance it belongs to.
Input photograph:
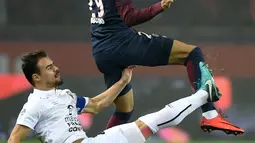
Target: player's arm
(27, 119)
(105, 99)
(18, 133)
(98, 103)
(132, 16)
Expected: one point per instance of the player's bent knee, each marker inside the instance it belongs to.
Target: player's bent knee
(145, 130)
(179, 52)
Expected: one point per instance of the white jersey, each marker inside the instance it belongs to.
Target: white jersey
(53, 116)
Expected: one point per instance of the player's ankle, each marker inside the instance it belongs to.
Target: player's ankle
(210, 114)
(195, 56)
(208, 107)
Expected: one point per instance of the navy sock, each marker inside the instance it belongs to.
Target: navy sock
(119, 118)
(194, 73)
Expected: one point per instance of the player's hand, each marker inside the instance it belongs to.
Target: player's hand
(127, 74)
(166, 3)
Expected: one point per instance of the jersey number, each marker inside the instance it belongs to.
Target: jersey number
(100, 7)
(142, 33)
(150, 36)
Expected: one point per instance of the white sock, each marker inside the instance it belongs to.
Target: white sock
(173, 113)
(210, 114)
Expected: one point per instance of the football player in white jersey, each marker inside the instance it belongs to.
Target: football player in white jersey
(52, 113)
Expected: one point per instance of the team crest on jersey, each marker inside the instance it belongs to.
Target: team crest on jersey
(70, 107)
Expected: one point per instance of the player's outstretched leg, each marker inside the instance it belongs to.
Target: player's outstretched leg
(171, 115)
(192, 57)
(175, 112)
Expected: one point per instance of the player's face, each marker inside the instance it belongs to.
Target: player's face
(49, 73)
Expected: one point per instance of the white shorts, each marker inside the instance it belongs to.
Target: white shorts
(126, 133)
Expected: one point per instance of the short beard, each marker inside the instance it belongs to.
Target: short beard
(57, 84)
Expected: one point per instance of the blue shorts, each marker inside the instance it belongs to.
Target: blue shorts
(142, 49)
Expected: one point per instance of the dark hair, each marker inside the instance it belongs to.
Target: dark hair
(29, 65)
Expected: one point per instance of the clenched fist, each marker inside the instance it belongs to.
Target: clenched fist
(166, 3)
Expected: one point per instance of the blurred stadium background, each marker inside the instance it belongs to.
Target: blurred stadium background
(224, 29)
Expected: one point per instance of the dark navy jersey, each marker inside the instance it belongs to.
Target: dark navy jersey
(107, 28)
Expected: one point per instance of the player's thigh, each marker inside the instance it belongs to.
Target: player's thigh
(180, 51)
(147, 50)
(126, 133)
(111, 79)
(132, 133)
(112, 135)
(125, 103)
(112, 74)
